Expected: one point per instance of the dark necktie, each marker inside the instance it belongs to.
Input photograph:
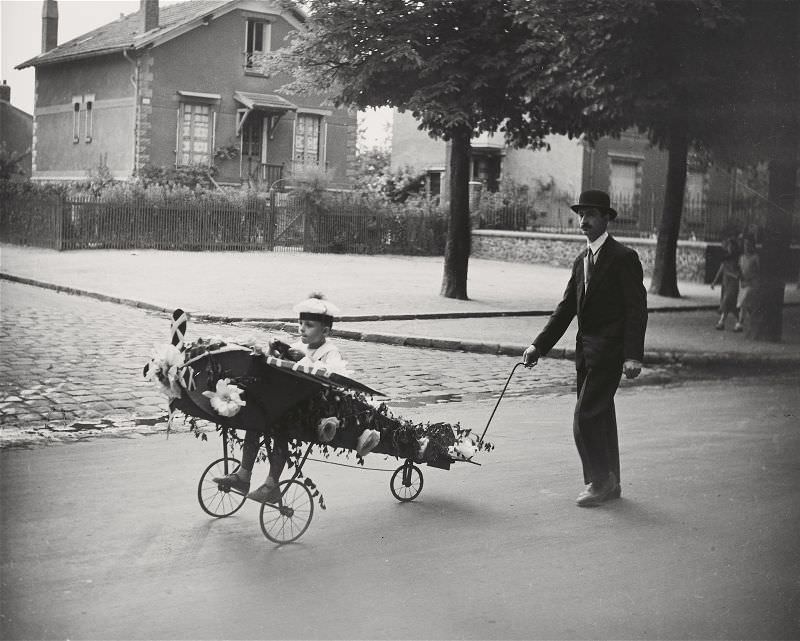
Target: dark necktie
(589, 265)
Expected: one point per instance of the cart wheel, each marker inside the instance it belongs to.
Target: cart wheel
(215, 500)
(285, 521)
(406, 483)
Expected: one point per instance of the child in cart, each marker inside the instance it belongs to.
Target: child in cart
(315, 321)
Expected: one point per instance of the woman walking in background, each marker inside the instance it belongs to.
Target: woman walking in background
(749, 268)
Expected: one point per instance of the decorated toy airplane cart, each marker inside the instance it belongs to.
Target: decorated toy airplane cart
(246, 387)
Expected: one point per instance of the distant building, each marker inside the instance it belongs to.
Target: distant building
(16, 130)
(628, 167)
(178, 86)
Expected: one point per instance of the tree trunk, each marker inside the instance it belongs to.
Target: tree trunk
(766, 320)
(459, 232)
(665, 272)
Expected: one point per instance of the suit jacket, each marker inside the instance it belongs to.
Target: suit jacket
(612, 313)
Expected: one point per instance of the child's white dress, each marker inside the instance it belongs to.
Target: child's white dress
(327, 355)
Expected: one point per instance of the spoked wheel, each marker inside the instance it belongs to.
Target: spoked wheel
(406, 483)
(215, 499)
(287, 520)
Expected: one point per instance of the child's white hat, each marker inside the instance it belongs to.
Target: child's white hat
(316, 308)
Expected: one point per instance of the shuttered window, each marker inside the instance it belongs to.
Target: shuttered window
(307, 140)
(195, 134)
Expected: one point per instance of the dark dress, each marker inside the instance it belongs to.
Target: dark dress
(728, 276)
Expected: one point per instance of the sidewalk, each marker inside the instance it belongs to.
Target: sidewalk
(386, 298)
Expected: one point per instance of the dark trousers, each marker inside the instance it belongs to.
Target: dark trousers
(595, 422)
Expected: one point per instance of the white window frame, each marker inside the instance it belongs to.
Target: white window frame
(250, 45)
(256, 120)
(694, 200)
(626, 207)
(322, 136)
(211, 124)
(77, 102)
(89, 105)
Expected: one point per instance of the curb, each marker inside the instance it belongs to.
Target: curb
(652, 357)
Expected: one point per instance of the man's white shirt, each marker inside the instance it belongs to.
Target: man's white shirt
(594, 247)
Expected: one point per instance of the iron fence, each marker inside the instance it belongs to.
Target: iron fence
(338, 223)
(329, 222)
(701, 218)
(32, 219)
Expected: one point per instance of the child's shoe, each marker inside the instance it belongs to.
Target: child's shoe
(720, 325)
(232, 482)
(738, 327)
(265, 493)
(368, 441)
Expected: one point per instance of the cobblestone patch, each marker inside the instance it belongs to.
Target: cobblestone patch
(71, 368)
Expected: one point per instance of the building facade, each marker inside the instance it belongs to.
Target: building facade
(16, 132)
(628, 167)
(183, 86)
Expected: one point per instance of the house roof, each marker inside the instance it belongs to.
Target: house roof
(266, 101)
(126, 32)
(8, 107)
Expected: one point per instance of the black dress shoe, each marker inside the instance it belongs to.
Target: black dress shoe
(615, 493)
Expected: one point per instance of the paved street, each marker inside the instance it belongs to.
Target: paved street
(106, 540)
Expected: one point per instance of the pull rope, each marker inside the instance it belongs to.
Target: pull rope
(357, 467)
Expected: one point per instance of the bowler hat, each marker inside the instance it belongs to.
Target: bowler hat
(595, 199)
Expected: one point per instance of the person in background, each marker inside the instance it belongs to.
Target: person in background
(728, 276)
(749, 270)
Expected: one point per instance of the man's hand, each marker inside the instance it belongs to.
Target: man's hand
(631, 368)
(530, 356)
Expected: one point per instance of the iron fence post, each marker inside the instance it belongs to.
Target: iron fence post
(58, 216)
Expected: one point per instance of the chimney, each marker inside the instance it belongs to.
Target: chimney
(49, 25)
(149, 11)
(5, 92)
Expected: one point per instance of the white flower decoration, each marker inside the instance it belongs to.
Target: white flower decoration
(326, 429)
(226, 399)
(163, 369)
(464, 449)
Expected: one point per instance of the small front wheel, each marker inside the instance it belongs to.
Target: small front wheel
(287, 520)
(215, 499)
(406, 483)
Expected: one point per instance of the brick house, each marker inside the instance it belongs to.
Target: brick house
(16, 130)
(177, 86)
(628, 167)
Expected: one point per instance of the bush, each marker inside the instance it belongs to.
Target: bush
(191, 176)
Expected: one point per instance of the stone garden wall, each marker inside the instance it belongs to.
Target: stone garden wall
(559, 250)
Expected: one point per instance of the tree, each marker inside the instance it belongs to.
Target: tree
(450, 62)
(598, 67)
(11, 162)
(761, 124)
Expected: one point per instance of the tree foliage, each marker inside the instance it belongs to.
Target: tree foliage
(11, 162)
(598, 67)
(449, 62)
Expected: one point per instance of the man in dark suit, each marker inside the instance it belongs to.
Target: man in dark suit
(606, 293)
